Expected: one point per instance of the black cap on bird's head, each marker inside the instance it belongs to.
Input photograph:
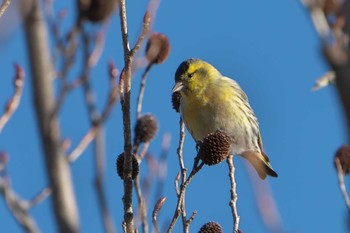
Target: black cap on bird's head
(183, 67)
(192, 71)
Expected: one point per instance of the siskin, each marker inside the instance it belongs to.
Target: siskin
(211, 102)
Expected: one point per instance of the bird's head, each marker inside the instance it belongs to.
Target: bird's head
(194, 75)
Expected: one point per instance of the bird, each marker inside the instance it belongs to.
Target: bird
(210, 102)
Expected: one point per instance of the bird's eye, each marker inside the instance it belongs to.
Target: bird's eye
(190, 75)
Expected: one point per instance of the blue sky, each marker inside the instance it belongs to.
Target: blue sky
(269, 47)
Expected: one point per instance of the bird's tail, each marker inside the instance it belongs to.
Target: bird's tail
(260, 162)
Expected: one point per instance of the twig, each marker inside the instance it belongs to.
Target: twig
(91, 134)
(233, 202)
(142, 90)
(19, 207)
(341, 183)
(3, 7)
(180, 207)
(125, 102)
(179, 150)
(177, 178)
(58, 169)
(99, 45)
(157, 207)
(42, 195)
(144, 151)
(142, 205)
(14, 101)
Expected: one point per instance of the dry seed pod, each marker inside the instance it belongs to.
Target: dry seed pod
(145, 129)
(211, 227)
(157, 48)
(175, 100)
(120, 166)
(343, 156)
(96, 10)
(215, 148)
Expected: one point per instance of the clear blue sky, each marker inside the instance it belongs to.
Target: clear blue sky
(269, 47)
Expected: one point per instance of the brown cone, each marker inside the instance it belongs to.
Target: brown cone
(145, 129)
(343, 155)
(215, 148)
(211, 227)
(120, 166)
(175, 100)
(157, 48)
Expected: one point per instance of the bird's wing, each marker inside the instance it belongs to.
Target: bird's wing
(249, 111)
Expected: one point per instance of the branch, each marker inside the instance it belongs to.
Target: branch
(58, 170)
(180, 207)
(233, 202)
(14, 101)
(125, 102)
(17, 206)
(4, 6)
(142, 90)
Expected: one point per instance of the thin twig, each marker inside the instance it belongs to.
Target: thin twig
(157, 207)
(142, 90)
(4, 6)
(179, 150)
(341, 183)
(19, 207)
(142, 205)
(97, 121)
(180, 201)
(92, 132)
(14, 101)
(233, 202)
(144, 150)
(40, 197)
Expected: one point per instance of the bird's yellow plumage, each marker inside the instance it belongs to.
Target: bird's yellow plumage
(211, 102)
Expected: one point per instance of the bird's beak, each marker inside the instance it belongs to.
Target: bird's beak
(178, 87)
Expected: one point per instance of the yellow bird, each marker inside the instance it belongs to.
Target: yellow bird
(211, 102)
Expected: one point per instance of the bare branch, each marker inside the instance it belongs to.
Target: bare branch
(4, 6)
(14, 101)
(19, 207)
(180, 207)
(233, 202)
(125, 102)
(58, 169)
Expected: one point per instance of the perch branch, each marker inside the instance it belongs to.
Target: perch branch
(233, 202)
(180, 207)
